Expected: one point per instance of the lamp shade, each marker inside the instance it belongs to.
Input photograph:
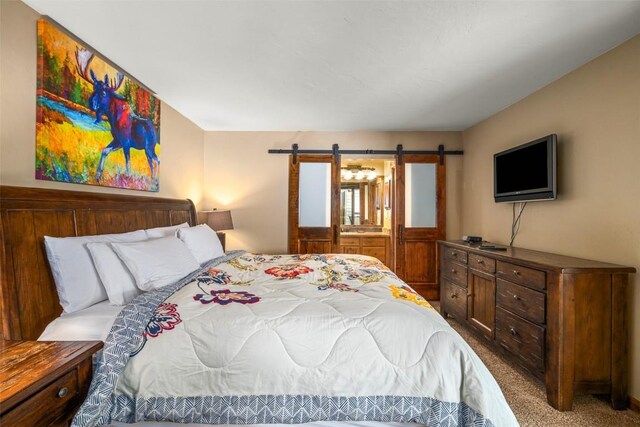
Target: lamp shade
(219, 220)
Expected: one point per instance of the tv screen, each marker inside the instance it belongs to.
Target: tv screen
(526, 172)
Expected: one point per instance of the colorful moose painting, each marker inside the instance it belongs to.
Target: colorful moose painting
(94, 125)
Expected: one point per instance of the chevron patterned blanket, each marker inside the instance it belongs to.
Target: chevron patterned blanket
(289, 339)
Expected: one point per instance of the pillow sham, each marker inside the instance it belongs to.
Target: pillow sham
(114, 275)
(76, 278)
(202, 241)
(158, 262)
(155, 233)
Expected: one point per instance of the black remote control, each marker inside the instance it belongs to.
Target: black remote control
(492, 248)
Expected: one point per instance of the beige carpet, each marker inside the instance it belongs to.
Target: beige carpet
(527, 397)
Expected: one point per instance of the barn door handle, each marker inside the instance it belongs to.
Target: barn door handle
(401, 234)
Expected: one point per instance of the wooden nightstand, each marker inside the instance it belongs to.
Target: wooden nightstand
(43, 383)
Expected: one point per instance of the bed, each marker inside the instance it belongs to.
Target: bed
(253, 338)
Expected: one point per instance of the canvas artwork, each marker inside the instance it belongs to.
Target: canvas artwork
(95, 125)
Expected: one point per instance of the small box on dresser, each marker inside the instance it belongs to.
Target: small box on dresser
(561, 318)
(43, 383)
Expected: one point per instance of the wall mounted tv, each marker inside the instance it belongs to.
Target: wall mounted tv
(526, 172)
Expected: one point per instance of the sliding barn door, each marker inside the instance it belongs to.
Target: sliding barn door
(314, 204)
(420, 221)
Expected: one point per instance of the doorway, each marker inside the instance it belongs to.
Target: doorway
(392, 209)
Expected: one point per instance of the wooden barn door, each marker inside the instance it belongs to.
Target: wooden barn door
(314, 204)
(420, 221)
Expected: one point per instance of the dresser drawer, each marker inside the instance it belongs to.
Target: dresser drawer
(349, 241)
(482, 263)
(350, 249)
(522, 338)
(379, 253)
(455, 272)
(455, 254)
(455, 300)
(50, 405)
(374, 241)
(523, 275)
(522, 301)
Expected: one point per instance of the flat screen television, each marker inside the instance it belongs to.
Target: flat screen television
(526, 172)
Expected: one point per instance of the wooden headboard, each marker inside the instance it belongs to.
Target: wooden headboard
(28, 297)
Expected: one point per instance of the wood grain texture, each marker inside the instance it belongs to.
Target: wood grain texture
(619, 345)
(416, 256)
(544, 260)
(377, 247)
(28, 366)
(568, 315)
(482, 263)
(455, 272)
(456, 255)
(593, 327)
(28, 298)
(523, 275)
(47, 407)
(524, 302)
(454, 300)
(523, 338)
(306, 240)
(481, 305)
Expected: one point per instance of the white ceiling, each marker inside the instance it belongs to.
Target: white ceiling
(345, 65)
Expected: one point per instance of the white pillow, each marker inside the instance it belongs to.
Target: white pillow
(76, 278)
(155, 233)
(158, 262)
(202, 241)
(116, 278)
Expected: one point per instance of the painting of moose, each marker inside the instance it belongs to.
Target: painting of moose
(90, 130)
(128, 130)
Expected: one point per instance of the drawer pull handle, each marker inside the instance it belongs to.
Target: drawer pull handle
(63, 392)
(513, 331)
(516, 272)
(516, 297)
(480, 261)
(454, 254)
(453, 271)
(454, 296)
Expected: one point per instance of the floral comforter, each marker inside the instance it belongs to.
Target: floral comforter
(289, 339)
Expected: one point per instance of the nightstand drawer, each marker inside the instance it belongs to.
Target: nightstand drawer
(54, 402)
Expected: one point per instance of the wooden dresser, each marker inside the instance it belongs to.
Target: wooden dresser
(561, 318)
(43, 383)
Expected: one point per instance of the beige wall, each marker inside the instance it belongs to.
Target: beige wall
(595, 110)
(242, 176)
(181, 169)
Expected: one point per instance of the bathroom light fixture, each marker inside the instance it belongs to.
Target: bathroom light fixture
(358, 172)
